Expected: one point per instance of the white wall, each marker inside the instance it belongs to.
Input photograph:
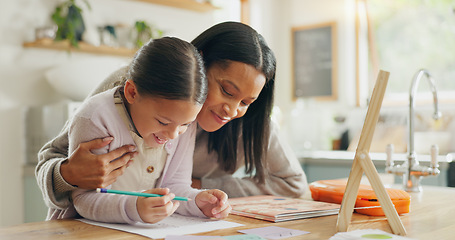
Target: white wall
(21, 86)
(274, 19)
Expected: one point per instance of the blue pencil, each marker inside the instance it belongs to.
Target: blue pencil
(139, 194)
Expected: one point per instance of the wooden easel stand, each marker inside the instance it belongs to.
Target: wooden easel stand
(363, 164)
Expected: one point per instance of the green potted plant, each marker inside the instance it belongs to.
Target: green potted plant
(70, 23)
(143, 32)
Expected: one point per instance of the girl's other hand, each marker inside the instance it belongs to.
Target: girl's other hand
(155, 209)
(214, 203)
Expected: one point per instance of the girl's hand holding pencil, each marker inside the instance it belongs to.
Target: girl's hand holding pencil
(137, 194)
(155, 209)
(156, 204)
(214, 203)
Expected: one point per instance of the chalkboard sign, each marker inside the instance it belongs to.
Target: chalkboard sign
(314, 59)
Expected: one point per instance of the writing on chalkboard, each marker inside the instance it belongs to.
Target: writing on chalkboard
(313, 61)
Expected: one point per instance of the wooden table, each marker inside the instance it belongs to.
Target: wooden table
(431, 217)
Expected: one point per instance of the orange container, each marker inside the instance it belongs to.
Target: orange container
(333, 190)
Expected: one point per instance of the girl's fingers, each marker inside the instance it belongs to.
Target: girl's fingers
(224, 213)
(158, 213)
(166, 209)
(221, 212)
(160, 191)
(159, 201)
(221, 208)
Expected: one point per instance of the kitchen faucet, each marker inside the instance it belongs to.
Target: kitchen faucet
(411, 170)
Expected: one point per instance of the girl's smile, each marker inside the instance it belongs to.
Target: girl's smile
(159, 140)
(157, 120)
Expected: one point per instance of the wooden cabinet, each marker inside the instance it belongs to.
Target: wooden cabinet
(118, 51)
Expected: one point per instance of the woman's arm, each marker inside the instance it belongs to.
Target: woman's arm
(52, 184)
(56, 173)
(284, 174)
(88, 203)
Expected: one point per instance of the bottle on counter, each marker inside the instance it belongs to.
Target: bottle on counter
(340, 134)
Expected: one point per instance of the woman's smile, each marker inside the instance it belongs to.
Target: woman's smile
(221, 120)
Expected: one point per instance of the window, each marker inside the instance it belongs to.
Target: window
(407, 35)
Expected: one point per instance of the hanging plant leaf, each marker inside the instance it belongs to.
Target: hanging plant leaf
(145, 32)
(68, 18)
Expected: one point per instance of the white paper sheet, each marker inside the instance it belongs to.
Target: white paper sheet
(172, 225)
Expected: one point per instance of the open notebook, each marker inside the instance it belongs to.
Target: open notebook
(278, 209)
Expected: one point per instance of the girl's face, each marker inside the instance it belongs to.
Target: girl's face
(157, 119)
(232, 89)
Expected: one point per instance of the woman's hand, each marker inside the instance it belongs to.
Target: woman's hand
(155, 209)
(89, 171)
(213, 203)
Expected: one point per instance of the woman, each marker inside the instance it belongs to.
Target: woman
(237, 59)
(241, 74)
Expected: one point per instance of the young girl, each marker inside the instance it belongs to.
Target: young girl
(163, 93)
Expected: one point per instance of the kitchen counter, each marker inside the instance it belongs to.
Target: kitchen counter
(430, 218)
(321, 165)
(347, 156)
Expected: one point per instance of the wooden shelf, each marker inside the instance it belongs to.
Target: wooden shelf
(83, 47)
(192, 5)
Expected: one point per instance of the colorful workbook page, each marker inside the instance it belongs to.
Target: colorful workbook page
(278, 209)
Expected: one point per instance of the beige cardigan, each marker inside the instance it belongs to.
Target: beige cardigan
(283, 173)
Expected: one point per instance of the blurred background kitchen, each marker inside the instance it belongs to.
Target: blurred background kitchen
(328, 51)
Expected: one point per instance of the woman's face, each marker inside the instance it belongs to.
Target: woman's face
(157, 119)
(232, 89)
